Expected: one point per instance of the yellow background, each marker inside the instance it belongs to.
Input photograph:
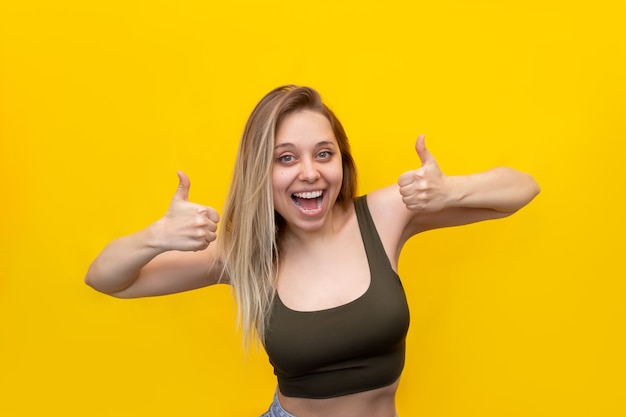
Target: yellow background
(102, 101)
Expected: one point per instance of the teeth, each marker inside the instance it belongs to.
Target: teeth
(308, 195)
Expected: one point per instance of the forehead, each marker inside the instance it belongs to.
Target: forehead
(305, 125)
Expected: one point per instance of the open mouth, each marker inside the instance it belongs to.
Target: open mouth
(308, 201)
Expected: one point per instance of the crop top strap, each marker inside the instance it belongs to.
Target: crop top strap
(373, 245)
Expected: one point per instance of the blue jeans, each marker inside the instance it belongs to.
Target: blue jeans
(277, 410)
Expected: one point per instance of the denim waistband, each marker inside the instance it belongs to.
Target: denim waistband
(277, 410)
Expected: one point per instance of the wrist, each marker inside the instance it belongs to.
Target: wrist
(455, 191)
(155, 239)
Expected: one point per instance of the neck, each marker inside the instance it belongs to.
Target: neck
(331, 226)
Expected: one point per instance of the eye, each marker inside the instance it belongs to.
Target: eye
(324, 154)
(286, 158)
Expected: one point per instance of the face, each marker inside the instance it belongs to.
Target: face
(307, 172)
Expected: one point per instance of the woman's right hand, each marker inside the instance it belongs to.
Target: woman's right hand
(186, 226)
(166, 257)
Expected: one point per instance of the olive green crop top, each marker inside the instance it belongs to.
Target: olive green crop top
(355, 347)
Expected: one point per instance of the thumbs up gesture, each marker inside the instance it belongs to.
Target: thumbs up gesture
(187, 226)
(424, 189)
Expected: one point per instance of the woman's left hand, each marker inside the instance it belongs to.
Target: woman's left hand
(426, 189)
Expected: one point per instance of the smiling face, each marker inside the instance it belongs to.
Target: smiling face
(307, 171)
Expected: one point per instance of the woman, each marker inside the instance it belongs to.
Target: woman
(313, 267)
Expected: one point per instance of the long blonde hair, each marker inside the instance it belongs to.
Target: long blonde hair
(249, 243)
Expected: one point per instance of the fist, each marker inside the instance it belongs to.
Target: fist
(424, 189)
(187, 226)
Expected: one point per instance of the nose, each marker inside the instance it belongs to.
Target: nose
(308, 171)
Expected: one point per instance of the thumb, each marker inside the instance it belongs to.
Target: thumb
(422, 152)
(182, 193)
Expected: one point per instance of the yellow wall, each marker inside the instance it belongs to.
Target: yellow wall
(102, 101)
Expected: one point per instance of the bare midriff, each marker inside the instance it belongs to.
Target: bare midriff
(378, 402)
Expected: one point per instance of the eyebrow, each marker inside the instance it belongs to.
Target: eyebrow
(290, 145)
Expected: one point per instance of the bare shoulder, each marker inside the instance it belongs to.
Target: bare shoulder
(387, 207)
(391, 218)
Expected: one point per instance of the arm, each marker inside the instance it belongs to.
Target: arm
(435, 200)
(171, 255)
(426, 199)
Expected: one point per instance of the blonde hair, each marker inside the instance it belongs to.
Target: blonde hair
(249, 243)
